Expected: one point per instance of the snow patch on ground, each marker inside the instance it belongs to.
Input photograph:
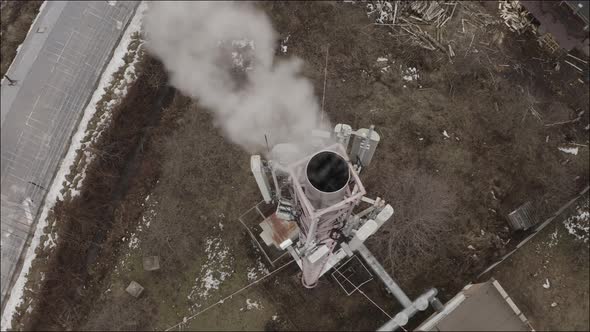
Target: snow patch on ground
(573, 151)
(216, 269)
(284, 44)
(384, 64)
(149, 214)
(579, 224)
(410, 74)
(553, 239)
(251, 304)
(15, 298)
(257, 271)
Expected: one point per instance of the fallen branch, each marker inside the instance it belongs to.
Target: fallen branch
(562, 122)
(571, 64)
(535, 113)
(571, 56)
(448, 18)
(451, 53)
(394, 13)
(470, 44)
(565, 122)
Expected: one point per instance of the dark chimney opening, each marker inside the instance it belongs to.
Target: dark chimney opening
(328, 172)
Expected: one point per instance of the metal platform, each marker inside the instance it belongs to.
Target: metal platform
(351, 275)
(253, 220)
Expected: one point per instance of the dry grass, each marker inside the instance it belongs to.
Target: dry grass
(91, 225)
(16, 18)
(423, 220)
(439, 187)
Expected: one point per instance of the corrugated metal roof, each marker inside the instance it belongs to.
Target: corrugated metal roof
(581, 8)
(479, 307)
(524, 217)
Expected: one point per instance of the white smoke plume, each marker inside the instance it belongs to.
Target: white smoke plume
(222, 54)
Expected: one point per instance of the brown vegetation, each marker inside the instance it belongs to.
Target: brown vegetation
(441, 188)
(422, 225)
(92, 224)
(16, 18)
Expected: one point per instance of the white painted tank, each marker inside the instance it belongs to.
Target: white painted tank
(363, 146)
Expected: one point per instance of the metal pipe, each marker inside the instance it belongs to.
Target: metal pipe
(402, 317)
(384, 276)
(410, 307)
(276, 183)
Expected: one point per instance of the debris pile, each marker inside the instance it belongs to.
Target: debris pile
(409, 15)
(428, 11)
(382, 11)
(388, 12)
(515, 16)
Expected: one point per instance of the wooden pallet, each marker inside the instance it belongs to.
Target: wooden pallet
(549, 42)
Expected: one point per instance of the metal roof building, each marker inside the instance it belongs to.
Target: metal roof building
(566, 21)
(478, 307)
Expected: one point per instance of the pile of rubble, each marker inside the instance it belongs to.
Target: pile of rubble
(409, 15)
(388, 12)
(515, 16)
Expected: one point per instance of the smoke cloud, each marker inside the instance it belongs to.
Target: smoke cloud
(222, 54)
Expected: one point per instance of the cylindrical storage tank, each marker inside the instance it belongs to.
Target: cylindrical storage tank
(363, 146)
(342, 133)
(327, 174)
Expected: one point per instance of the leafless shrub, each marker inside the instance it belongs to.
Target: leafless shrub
(17, 17)
(155, 76)
(415, 235)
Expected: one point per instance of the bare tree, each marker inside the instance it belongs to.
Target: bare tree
(423, 205)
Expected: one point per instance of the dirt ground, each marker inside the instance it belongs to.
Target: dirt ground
(176, 187)
(16, 18)
(559, 261)
(495, 143)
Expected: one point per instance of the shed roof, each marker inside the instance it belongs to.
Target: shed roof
(478, 307)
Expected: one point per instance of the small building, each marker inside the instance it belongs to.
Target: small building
(566, 21)
(478, 307)
(134, 289)
(151, 263)
(523, 218)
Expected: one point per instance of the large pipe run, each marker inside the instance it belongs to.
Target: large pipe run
(384, 276)
(402, 317)
(410, 307)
